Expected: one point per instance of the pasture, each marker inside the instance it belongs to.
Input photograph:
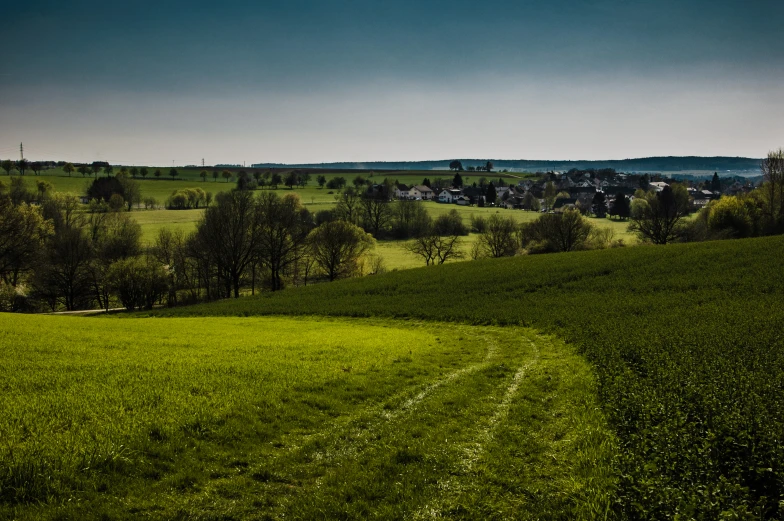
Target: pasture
(686, 341)
(296, 418)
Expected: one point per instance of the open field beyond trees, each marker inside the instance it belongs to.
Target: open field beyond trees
(296, 418)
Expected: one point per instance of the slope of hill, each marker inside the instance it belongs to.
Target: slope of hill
(645, 164)
(685, 339)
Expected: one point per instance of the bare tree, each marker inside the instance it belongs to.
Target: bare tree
(660, 221)
(773, 177)
(499, 238)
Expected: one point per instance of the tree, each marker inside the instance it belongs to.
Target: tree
(83, 169)
(226, 175)
(131, 192)
(773, 188)
(36, 167)
(715, 185)
(44, 187)
(599, 205)
(550, 232)
(321, 180)
(173, 173)
(228, 234)
(68, 168)
(457, 181)
(376, 213)
(549, 194)
(450, 223)
(157, 173)
(358, 182)
(104, 187)
(336, 183)
(348, 206)
(284, 225)
(498, 240)
(22, 166)
(336, 248)
(291, 180)
(455, 165)
(143, 172)
(23, 232)
(489, 166)
(621, 206)
(114, 237)
(531, 202)
(434, 247)
(275, 180)
(137, 282)
(409, 218)
(490, 194)
(108, 169)
(215, 176)
(134, 171)
(7, 165)
(659, 221)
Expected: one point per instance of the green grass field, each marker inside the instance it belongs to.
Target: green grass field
(295, 418)
(685, 339)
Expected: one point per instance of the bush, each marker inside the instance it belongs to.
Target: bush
(450, 224)
(138, 282)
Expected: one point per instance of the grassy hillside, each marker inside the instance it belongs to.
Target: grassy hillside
(281, 418)
(686, 340)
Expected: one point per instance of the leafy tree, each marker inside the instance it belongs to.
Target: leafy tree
(44, 187)
(490, 194)
(215, 175)
(409, 218)
(104, 187)
(450, 223)
(659, 221)
(715, 185)
(131, 192)
(284, 225)
(730, 217)
(133, 171)
(68, 168)
(36, 167)
(321, 180)
(336, 248)
(22, 166)
(489, 166)
(291, 180)
(7, 165)
(157, 173)
(599, 205)
(550, 232)
(23, 232)
(358, 182)
(549, 194)
(621, 206)
(123, 172)
(275, 180)
(531, 202)
(138, 282)
(426, 182)
(83, 169)
(226, 175)
(457, 181)
(336, 183)
(348, 206)
(228, 234)
(499, 239)
(773, 188)
(143, 172)
(109, 169)
(456, 165)
(173, 173)
(257, 176)
(95, 169)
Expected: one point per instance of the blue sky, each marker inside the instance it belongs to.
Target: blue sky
(296, 81)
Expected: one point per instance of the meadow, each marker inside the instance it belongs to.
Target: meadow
(298, 418)
(686, 341)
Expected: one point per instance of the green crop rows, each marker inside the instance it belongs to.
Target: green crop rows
(296, 418)
(687, 341)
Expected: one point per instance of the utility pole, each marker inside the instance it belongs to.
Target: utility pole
(21, 151)
(202, 162)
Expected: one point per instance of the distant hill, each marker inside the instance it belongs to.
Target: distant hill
(723, 165)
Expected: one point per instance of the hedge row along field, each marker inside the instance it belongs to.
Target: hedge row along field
(687, 342)
(292, 418)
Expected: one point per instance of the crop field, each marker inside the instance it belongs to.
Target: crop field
(295, 418)
(687, 342)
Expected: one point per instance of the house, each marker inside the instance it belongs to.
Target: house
(448, 195)
(462, 200)
(564, 204)
(406, 192)
(425, 192)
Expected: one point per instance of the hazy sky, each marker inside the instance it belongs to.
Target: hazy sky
(312, 81)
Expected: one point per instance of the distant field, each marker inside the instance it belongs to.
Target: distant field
(686, 340)
(248, 418)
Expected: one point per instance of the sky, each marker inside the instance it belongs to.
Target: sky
(175, 82)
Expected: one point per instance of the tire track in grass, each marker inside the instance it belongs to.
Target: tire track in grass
(363, 424)
(453, 486)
